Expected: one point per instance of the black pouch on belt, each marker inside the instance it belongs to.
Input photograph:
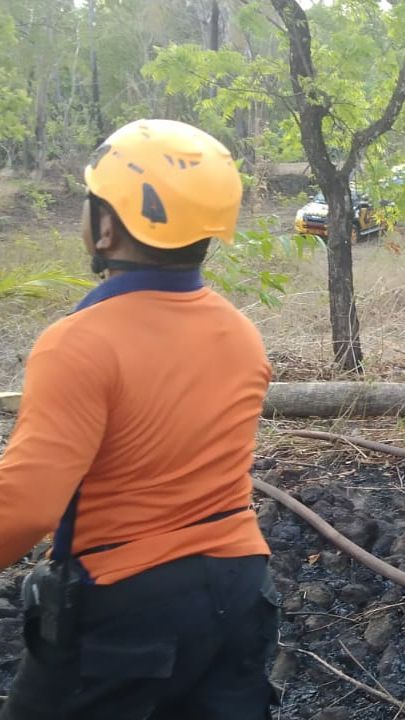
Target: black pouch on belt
(51, 593)
(51, 598)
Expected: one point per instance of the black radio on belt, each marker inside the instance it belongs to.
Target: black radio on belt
(51, 598)
(51, 591)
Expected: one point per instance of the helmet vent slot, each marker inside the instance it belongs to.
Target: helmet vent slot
(152, 207)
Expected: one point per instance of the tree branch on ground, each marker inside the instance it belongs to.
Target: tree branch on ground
(355, 441)
(385, 696)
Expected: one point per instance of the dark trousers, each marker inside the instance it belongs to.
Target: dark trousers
(188, 640)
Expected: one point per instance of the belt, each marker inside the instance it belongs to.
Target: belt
(211, 518)
(186, 574)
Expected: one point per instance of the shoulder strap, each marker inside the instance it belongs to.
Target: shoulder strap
(62, 547)
(145, 278)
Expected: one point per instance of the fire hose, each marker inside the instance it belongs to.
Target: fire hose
(380, 567)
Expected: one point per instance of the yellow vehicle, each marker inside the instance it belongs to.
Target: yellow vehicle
(312, 219)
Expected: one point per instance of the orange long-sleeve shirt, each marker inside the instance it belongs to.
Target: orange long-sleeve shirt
(149, 401)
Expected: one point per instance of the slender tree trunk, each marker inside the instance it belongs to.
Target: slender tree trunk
(242, 127)
(73, 76)
(214, 38)
(96, 114)
(28, 150)
(40, 125)
(343, 313)
(44, 75)
(214, 26)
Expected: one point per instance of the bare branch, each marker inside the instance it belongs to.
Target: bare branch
(359, 441)
(362, 667)
(269, 18)
(312, 106)
(297, 26)
(365, 137)
(276, 25)
(386, 696)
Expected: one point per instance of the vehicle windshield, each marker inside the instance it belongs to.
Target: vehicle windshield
(319, 198)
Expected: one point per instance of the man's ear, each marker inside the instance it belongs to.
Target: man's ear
(107, 238)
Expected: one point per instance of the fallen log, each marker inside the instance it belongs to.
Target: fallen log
(334, 399)
(380, 567)
(313, 399)
(9, 401)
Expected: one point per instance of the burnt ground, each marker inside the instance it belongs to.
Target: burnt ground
(331, 606)
(326, 598)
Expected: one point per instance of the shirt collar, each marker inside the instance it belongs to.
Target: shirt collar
(178, 281)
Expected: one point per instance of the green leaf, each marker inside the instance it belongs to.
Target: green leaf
(48, 282)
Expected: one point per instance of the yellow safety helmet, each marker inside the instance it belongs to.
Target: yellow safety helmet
(170, 184)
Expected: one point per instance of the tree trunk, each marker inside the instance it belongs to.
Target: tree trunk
(313, 105)
(214, 26)
(40, 125)
(343, 313)
(333, 399)
(96, 114)
(73, 81)
(44, 71)
(334, 183)
(214, 39)
(208, 15)
(246, 147)
(313, 399)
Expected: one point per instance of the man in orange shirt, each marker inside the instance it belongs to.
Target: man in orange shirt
(134, 441)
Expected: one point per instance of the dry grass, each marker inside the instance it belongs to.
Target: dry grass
(297, 334)
(275, 442)
(34, 243)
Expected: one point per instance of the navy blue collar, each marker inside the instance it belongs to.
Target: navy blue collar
(178, 281)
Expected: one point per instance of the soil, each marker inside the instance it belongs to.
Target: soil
(20, 210)
(330, 605)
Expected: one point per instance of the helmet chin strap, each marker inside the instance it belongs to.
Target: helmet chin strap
(99, 264)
